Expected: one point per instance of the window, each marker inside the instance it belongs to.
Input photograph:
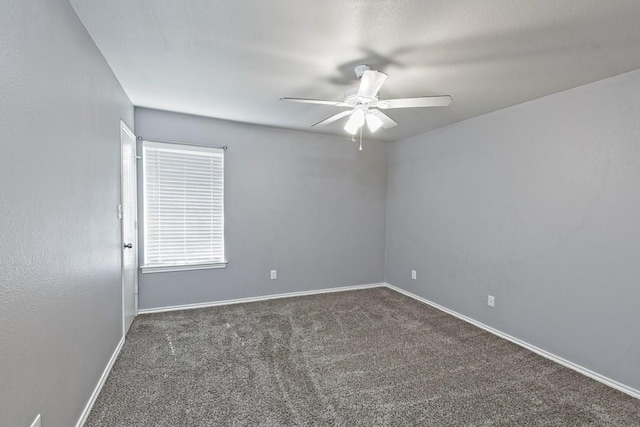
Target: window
(183, 194)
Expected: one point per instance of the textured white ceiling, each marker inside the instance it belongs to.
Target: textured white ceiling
(234, 59)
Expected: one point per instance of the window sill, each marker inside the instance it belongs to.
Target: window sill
(168, 268)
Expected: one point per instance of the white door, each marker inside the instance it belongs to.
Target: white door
(129, 228)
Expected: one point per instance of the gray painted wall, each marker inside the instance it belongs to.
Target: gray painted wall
(310, 206)
(538, 205)
(60, 292)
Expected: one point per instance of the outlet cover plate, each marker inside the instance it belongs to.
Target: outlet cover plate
(491, 301)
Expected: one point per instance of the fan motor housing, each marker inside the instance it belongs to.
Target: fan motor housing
(351, 97)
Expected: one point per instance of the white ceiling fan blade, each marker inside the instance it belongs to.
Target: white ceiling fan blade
(315, 101)
(370, 83)
(423, 101)
(333, 118)
(387, 122)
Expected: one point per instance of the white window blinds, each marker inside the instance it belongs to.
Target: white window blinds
(183, 190)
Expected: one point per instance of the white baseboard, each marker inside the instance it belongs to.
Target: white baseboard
(254, 299)
(584, 371)
(101, 381)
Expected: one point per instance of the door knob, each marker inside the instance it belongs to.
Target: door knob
(128, 245)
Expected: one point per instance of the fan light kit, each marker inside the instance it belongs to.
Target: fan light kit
(364, 104)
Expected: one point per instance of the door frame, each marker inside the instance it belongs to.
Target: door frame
(125, 128)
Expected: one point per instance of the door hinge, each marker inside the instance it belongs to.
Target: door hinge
(119, 211)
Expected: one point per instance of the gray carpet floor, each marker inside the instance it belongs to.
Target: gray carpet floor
(361, 358)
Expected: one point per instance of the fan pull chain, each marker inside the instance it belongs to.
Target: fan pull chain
(361, 138)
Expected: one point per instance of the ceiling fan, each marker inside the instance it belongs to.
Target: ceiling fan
(365, 105)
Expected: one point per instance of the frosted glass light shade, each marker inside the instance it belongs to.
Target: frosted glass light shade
(373, 122)
(355, 122)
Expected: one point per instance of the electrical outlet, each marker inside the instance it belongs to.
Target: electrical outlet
(414, 275)
(274, 274)
(491, 301)
(36, 422)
